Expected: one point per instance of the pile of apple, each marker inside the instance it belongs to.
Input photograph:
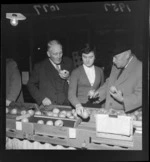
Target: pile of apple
(50, 122)
(62, 114)
(15, 111)
(136, 115)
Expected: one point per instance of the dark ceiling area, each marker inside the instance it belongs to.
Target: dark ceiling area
(101, 23)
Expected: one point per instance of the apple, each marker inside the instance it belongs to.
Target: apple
(71, 117)
(40, 122)
(61, 115)
(63, 112)
(38, 113)
(139, 118)
(55, 114)
(31, 112)
(49, 122)
(113, 89)
(63, 72)
(91, 93)
(136, 113)
(56, 110)
(23, 112)
(14, 111)
(85, 114)
(7, 110)
(49, 113)
(25, 120)
(68, 114)
(59, 123)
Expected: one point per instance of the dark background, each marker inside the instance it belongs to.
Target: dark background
(73, 24)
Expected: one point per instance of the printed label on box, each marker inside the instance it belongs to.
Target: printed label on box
(72, 133)
(18, 125)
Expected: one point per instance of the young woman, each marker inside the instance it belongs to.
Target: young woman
(83, 79)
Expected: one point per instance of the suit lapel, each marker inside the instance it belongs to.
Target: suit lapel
(50, 71)
(125, 73)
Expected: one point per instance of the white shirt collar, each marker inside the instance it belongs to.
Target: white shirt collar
(88, 68)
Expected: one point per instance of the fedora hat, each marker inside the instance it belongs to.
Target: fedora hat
(121, 47)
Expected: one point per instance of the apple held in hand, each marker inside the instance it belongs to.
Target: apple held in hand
(91, 93)
(113, 89)
(85, 114)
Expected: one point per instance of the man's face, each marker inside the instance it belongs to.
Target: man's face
(120, 60)
(55, 53)
(88, 59)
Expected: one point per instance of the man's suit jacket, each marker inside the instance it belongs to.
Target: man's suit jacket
(79, 85)
(13, 82)
(129, 82)
(46, 82)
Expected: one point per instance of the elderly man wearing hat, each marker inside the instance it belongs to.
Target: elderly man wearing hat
(123, 89)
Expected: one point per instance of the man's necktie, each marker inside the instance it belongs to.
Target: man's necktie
(57, 68)
(120, 72)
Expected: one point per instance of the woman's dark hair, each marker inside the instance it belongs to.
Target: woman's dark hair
(87, 48)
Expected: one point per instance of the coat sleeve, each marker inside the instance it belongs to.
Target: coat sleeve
(15, 83)
(73, 84)
(103, 90)
(134, 100)
(33, 84)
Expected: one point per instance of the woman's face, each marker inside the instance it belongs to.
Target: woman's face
(88, 59)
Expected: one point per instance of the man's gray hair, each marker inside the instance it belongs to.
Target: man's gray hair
(53, 42)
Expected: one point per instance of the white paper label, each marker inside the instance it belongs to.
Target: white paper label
(18, 125)
(72, 133)
(25, 77)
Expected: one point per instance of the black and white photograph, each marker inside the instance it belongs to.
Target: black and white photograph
(75, 76)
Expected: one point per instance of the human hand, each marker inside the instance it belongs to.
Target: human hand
(95, 94)
(64, 74)
(46, 101)
(117, 94)
(79, 109)
(8, 102)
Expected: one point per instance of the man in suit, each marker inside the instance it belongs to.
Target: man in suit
(123, 89)
(13, 83)
(48, 81)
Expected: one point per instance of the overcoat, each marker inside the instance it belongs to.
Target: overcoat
(13, 82)
(129, 82)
